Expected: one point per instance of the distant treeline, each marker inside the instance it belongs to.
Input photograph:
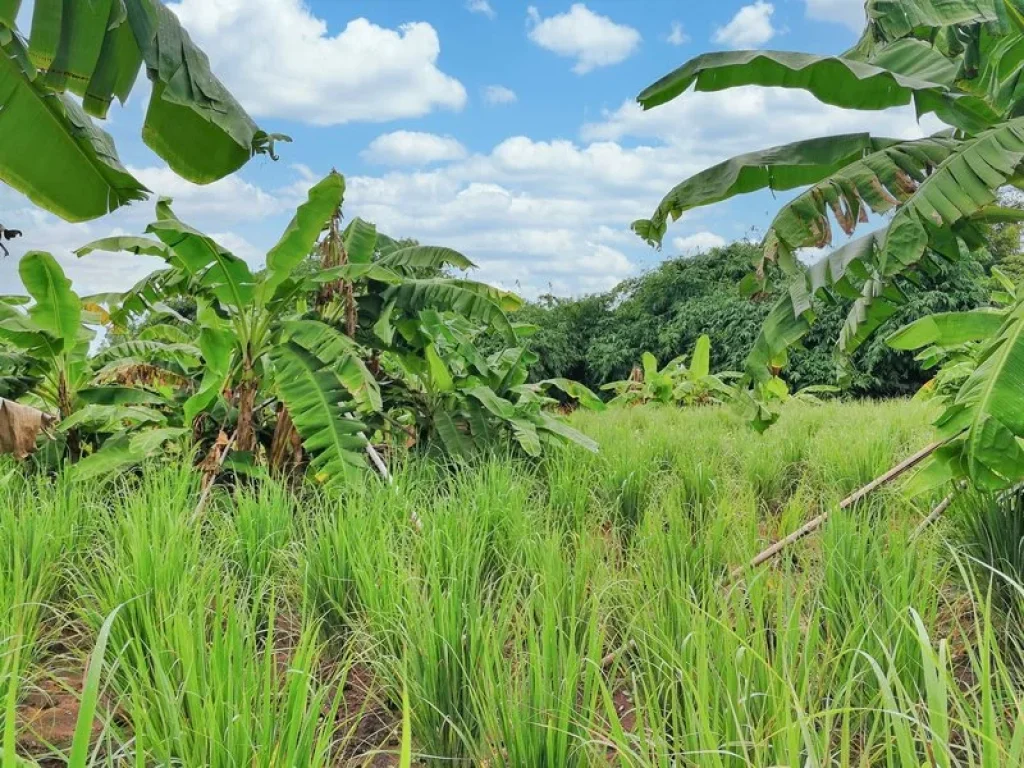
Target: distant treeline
(599, 338)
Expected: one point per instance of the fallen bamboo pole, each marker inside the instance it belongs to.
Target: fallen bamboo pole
(934, 515)
(849, 501)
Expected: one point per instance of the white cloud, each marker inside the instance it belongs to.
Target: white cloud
(678, 35)
(697, 243)
(751, 27)
(230, 199)
(413, 148)
(848, 12)
(281, 61)
(480, 6)
(593, 40)
(499, 94)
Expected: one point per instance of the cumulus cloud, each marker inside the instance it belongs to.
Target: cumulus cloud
(677, 35)
(412, 148)
(697, 243)
(593, 40)
(281, 61)
(847, 12)
(751, 27)
(499, 94)
(482, 7)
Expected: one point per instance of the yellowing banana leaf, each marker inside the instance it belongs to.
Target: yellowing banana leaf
(50, 150)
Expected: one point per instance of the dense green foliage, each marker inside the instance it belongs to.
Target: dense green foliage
(601, 337)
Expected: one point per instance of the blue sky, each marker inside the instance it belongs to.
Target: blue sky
(502, 128)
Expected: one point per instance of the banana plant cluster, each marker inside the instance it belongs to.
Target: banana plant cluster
(961, 60)
(677, 383)
(50, 148)
(109, 413)
(346, 337)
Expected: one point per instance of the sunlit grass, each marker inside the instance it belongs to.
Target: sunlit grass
(575, 613)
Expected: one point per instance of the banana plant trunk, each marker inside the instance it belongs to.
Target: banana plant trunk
(66, 406)
(246, 432)
(286, 446)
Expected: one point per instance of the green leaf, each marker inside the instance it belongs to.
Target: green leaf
(227, 276)
(303, 231)
(320, 407)
(700, 363)
(779, 168)
(78, 758)
(140, 246)
(526, 435)
(336, 350)
(948, 329)
(878, 182)
(498, 406)
(559, 428)
(360, 241)
(425, 257)
(110, 418)
(110, 396)
(51, 151)
(834, 80)
(453, 439)
(192, 122)
(186, 355)
(893, 19)
(577, 391)
(217, 342)
(440, 377)
(57, 309)
(121, 452)
(475, 301)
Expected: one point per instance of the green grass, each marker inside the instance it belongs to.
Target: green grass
(575, 613)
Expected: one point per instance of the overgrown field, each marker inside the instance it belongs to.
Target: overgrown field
(572, 614)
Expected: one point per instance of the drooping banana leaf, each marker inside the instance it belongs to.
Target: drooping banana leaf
(425, 257)
(877, 182)
(118, 66)
(193, 122)
(833, 80)
(51, 151)
(123, 451)
(321, 409)
(226, 275)
(186, 355)
(577, 391)
(140, 246)
(779, 168)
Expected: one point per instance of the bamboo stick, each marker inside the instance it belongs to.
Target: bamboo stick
(849, 501)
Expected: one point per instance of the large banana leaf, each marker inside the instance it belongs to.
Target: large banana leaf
(320, 407)
(894, 19)
(217, 342)
(985, 423)
(57, 310)
(834, 80)
(302, 231)
(779, 168)
(227, 276)
(50, 150)
(360, 241)
(193, 122)
(877, 182)
(123, 451)
(476, 301)
(948, 329)
(424, 257)
(340, 353)
(140, 246)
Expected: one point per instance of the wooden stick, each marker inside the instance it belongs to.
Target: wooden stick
(849, 501)
(933, 516)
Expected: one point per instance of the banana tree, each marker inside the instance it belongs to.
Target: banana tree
(96, 414)
(463, 402)
(50, 149)
(677, 383)
(957, 59)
